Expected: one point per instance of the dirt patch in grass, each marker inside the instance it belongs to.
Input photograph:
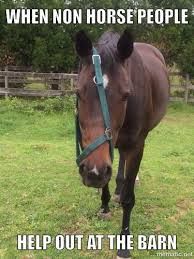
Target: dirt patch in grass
(183, 207)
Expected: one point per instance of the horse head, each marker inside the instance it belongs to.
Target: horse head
(114, 50)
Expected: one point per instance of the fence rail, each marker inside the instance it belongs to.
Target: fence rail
(33, 93)
(17, 83)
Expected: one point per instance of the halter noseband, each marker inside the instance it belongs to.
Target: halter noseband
(107, 136)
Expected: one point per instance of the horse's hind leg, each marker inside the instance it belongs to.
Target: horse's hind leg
(105, 198)
(127, 199)
(119, 178)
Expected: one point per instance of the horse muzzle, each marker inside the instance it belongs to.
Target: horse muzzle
(94, 176)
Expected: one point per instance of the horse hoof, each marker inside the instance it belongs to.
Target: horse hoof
(104, 216)
(116, 198)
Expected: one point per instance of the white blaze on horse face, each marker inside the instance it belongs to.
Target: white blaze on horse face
(94, 170)
(105, 80)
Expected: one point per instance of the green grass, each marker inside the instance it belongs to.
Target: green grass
(41, 192)
(36, 86)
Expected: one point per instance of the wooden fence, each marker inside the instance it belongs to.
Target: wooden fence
(24, 84)
(17, 83)
(181, 87)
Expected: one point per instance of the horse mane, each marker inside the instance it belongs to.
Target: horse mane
(107, 48)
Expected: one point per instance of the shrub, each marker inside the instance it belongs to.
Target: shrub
(46, 105)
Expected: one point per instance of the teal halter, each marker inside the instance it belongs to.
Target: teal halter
(107, 136)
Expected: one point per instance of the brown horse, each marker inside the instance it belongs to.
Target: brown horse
(137, 90)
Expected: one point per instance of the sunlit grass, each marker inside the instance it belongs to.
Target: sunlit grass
(41, 192)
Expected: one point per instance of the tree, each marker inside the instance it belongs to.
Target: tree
(50, 47)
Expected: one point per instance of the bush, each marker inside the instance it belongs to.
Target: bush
(46, 105)
(186, 59)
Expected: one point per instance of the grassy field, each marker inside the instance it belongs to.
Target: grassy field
(41, 192)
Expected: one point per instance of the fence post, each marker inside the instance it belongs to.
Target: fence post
(187, 88)
(6, 81)
(72, 84)
(62, 85)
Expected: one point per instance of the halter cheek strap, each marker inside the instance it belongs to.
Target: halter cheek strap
(107, 136)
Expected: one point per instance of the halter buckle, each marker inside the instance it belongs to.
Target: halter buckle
(93, 57)
(108, 133)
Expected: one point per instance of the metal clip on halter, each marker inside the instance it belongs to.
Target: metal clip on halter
(108, 133)
(93, 57)
(94, 80)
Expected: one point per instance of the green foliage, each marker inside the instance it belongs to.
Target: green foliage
(47, 105)
(50, 47)
(53, 52)
(186, 60)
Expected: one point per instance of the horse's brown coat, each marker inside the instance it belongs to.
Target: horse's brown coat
(148, 93)
(137, 95)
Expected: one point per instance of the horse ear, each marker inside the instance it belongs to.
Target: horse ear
(125, 45)
(83, 44)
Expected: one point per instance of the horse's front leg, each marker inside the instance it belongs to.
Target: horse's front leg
(119, 178)
(105, 198)
(133, 159)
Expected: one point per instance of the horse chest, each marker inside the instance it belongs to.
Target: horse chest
(128, 137)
